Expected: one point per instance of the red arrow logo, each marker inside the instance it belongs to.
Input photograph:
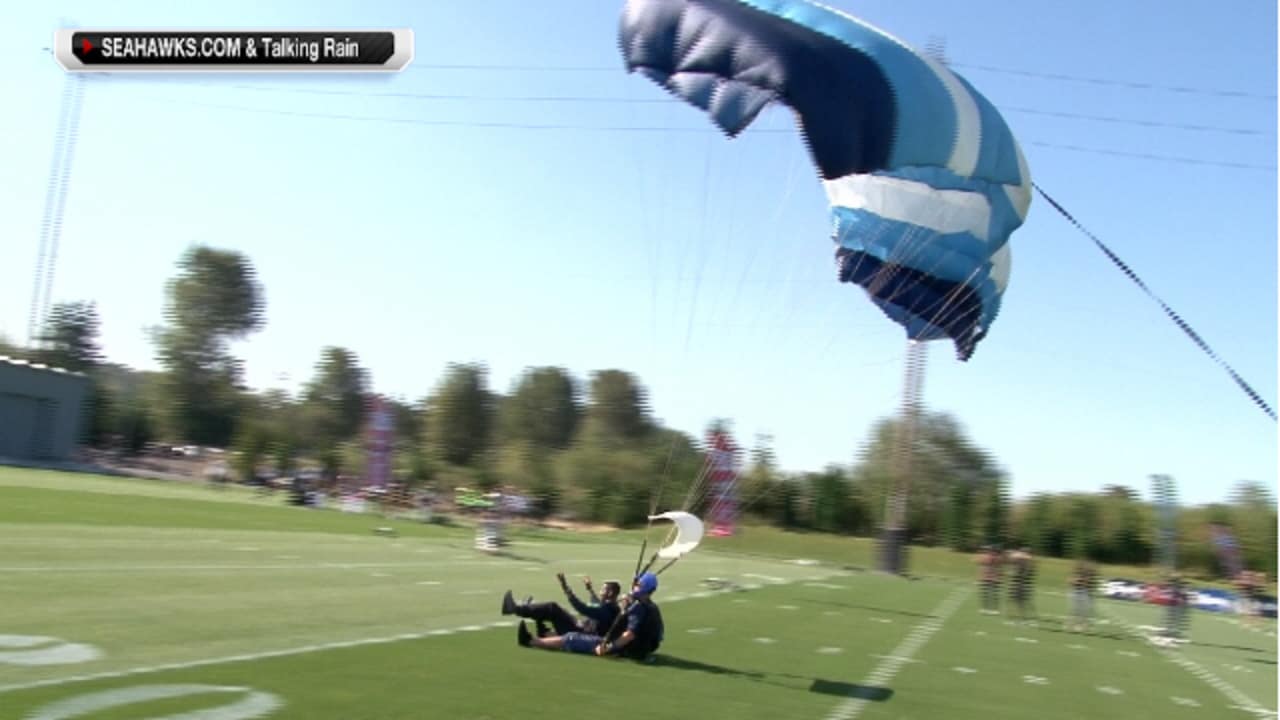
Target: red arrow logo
(85, 47)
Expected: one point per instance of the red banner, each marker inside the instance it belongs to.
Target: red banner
(722, 478)
(379, 441)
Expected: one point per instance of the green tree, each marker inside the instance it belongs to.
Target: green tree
(335, 398)
(942, 456)
(460, 415)
(543, 409)
(618, 411)
(214, 300)
(834, 509)
(991, 516)
(70, 337)
(760, 485)
(1253, 518)
(249, 449)
(1035, 529)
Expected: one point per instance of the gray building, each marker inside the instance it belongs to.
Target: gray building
(43, 411)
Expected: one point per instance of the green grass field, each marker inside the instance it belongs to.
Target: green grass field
(145, 599)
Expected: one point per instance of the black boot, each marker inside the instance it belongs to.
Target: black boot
(523, 638)
(508, 604)
(543, 629)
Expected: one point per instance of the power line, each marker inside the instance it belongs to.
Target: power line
(1178, 159)
(593, 99)
(649, 129)
(1134, 121)
(1130, 84)
(1065, 77)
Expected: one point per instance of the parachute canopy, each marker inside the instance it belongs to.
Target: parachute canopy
(926, 182)
(688, 534)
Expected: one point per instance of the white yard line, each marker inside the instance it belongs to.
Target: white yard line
(303, 650)
(901, 655)
(1241, 700)
(110, 569)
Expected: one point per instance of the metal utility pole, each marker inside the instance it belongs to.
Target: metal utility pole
(893, 543)
(893, 540)
(55, 202)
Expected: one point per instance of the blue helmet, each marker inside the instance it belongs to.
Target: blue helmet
(647, 583)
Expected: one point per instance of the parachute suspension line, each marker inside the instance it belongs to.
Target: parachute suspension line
(1177, 319)
(697, 487)
(700, 258)
(654, 500)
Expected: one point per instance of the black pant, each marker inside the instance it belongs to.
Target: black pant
(550, 612)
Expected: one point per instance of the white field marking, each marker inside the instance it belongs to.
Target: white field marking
(429, 582)
(824, 586)
(378, 574)
(1128, 653)
(804, 561)
(471, 628)
(473, 592)
(766, 578)
(830, 613)
(900, 659)
(1026, 640)
(424, 551)
(740, 601)
(702, 631)
(288, 557)
(1110, 690)
(886, 621)
(830, 650)
(40, 650)
(247, 657)
(1185, 701)
(700, 594)
(1241, 700)
(675, 598)
(1035, 680)
(965, 670)
(788, 607)
(248, 549)
(1259, 712)
(765, 640)
(916, 639)
(1237, 668)
(1078, 647)
(127, 569)
(503, 624)
(979, 632)
(254, 705)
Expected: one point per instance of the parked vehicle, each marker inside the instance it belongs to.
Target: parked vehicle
(1122, 589)
(1213, 600)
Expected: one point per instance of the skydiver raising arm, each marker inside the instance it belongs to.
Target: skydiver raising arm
(591, 591)
(595, 619)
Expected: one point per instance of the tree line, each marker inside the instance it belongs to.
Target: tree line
(587, 449)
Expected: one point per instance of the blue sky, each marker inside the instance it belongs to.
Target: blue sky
(702, 264)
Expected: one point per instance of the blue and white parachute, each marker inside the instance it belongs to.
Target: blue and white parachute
(925, 180)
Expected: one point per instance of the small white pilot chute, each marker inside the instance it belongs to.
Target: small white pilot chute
(688, 531)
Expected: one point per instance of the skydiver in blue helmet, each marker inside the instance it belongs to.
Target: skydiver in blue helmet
(641, 636)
